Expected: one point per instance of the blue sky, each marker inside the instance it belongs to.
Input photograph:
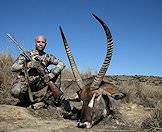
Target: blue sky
(136, 26)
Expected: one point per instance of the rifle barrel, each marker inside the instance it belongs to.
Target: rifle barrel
(17, 45)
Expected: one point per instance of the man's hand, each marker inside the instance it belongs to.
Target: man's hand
(32, 64)
(48, 77)
(51, 75)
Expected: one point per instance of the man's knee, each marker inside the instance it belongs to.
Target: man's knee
(15, 91)
(18, 89)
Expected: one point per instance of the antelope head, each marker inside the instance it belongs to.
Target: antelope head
(95, 99)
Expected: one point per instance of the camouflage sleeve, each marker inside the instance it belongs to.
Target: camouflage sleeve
(59, 65)
(18, 64)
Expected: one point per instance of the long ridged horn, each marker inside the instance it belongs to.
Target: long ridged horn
(73, 65)
(98, 79)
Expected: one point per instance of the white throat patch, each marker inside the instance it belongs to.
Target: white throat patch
(91, 103)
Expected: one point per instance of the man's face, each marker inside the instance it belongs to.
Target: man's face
(40, 42)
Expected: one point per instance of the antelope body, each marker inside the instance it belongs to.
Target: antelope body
(95, 95)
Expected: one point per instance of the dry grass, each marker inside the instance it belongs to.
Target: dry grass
(6, 77)
(140, 92)
(138, 116)
(5, 65)
(142, 106)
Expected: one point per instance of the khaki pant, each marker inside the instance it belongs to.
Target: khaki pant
(20, 87)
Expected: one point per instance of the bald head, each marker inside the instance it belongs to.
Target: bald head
(40, 42)
(40, 37)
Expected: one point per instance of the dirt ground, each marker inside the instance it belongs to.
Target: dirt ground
(141, 110)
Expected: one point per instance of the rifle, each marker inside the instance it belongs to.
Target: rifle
(25, 67)
(54, 89)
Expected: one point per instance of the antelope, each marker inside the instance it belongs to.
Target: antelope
(95, 95)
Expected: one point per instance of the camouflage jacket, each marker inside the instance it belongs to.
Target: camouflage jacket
(46, 59)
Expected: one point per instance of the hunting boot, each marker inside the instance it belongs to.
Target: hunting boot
(24, 100)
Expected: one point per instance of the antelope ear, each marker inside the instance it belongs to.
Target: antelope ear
(91, 102)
